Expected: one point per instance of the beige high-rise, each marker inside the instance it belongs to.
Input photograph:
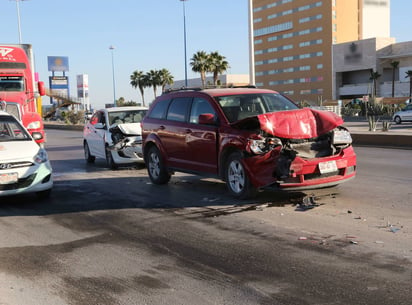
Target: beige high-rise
(291, 41)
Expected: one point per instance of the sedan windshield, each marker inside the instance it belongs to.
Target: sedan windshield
(11, 130)
(238, 107)
(129, 116)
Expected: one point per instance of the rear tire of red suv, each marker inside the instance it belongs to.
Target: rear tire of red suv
(158, 173)
(237, 180)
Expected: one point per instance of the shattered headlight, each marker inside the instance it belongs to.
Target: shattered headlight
(341, 136)
(41, 156)
(261, 146)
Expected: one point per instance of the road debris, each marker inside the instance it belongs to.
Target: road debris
(307, 203)
(394, 229)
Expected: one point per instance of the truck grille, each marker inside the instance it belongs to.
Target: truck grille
(14, 110)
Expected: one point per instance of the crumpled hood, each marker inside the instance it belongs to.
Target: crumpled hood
(130, 128)
(303, 123)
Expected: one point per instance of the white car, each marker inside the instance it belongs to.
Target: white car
(24, 165)
(404, 115)
(115, 134)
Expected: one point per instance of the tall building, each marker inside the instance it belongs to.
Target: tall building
(291, 41)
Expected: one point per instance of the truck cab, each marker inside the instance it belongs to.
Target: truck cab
(18, 88)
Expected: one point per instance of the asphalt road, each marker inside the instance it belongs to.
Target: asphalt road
(111, 237)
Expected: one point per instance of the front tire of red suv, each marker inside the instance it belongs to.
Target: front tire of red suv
(237, 180)
(158, 173)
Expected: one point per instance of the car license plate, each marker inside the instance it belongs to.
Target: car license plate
(327, 167)
(8, 178)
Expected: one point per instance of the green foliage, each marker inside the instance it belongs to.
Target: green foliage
(213, 62)
(153, 78)
(73, 117)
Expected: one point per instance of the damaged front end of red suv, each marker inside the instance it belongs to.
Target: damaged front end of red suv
(298, 150)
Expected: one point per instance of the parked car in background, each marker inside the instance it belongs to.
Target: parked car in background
(251, 138)
(115, 135)
(24, 165)
(405, 115)
(88, 115)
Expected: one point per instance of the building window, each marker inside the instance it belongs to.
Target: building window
(273, 29)
(310, 43)
(319, 66)
(304, 68)
(311, 18)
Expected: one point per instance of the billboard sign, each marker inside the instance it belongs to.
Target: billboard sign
(82, 86)
(58, 63)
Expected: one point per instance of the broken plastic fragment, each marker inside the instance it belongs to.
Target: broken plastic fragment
(394, 229)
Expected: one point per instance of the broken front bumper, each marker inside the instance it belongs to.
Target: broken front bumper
(304, 174)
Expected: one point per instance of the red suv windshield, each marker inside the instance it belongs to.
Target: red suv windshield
(238, 107)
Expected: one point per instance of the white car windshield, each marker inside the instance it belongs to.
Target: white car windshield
(127, 116)
(11, 130)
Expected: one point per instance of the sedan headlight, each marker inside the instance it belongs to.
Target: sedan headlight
(34, 125)
(341, 136)
(41, 156)
(262, 146)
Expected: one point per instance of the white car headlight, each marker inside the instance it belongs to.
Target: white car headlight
(34, 125)
(341, 136)
(41, 156)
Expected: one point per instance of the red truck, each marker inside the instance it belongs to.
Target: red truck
(19, 88)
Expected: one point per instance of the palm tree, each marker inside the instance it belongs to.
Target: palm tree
(394, 65)
(165, 78)
(139, 80)
(154, 80)
(409, 74)
(200, 63)
(217, 65)
(374, 77)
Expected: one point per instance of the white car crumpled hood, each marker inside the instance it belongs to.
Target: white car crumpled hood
(130, 128)
(17, 150)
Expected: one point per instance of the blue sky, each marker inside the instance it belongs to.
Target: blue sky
(146, 35)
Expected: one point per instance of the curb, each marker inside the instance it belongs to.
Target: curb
(382, 140)
(63, 126)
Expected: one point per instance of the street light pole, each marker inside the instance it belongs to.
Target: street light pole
(184, 37)
(114, 81)
(18, 18)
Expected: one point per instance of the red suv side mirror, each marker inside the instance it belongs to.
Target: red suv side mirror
(207, 119)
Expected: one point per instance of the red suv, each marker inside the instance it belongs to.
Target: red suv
(251, 138)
